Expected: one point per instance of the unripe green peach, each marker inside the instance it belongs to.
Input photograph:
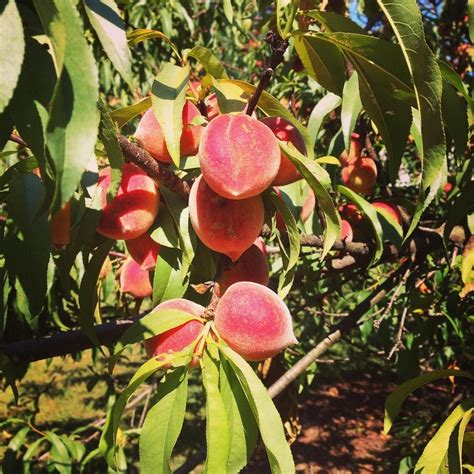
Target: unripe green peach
(134, 280)
(254, 321)
(144, 250)
(224, 225)
(286, 132)
(133, 209)
(239, 156)
(251, 266)
(149, 134)
(178, 338)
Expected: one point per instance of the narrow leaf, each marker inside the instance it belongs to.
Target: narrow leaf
(321, 110)
(209, 62)
(125, 114)
(351, 107)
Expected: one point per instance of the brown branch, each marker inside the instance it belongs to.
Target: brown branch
(156, 170)
(17, 139)
(279, 46)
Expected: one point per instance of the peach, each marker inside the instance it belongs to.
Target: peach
(351, 213)
(447, 188)
(354, 151)
(251, 266)
(225, 225)
(239, 156)
(212, 106)
(134, 208)
(346, 232)
(360, 175)
(254, 321)
(389, 210)
(286, 132)
(260, 243)
(134, 280)
(308, 206)
(149, 134)
(178, 338)
(61, 227)
(144, 250)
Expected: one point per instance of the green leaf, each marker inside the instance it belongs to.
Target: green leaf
(209, 62)
(23, 166)
(455, 119)
(168, 98)
(397, 397)
(315, 175)
(125, 114)
(59, 453)
(217, 424)
(461, 206)
(367, 209)
(406, 21)
(351, 107)
(108, 136)
(31, 249)
(164, 422)
(104, 16)
(88, 297)
(12, 51)
(267, 103)
(267, 416)
(436, 449)
(165, 233)
(74, 118)
(141, 34)
(321, 110)
(108, 440)
(455, 443)
(168, 282)
(290, 259)
(323, 61)
(243, 429)
(451, 76)
(470, 9)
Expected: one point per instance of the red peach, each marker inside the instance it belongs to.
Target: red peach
(149, 134)
(254, 321)
(260, 243)
(360, 175)
(251, 266)
(286, 132)
(351, 213)
(346, 232)
(134, 280)
(212, 106)
(389, 210)
(225, 225)
(61, 227)
(144, 250)
(447, 188)
(239, 156)
(178, 338)
(308, 206)
(134, 208)
(354, 151)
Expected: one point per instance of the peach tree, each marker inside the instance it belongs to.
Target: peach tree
(153, 195)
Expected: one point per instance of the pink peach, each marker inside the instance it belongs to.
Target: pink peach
(390, 210)
(144, 250)
(360, 175)
(134, 280)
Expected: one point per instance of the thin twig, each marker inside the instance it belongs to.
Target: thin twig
(399, 343)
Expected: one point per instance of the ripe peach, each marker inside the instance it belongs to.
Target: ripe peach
(134, 208)
(144, 250)
(61, 227)
(351, 213)
(149, 134)
(360, 175)
(251, 266)
(447, 188)
(390, 210)
(178, 338)
(134, 280)
(308, 206)
(254, 321)
(224, 225)
(346, 232)
(260, 243)
(212, 106)
(239, 156)
(354, 151)
(286, 132)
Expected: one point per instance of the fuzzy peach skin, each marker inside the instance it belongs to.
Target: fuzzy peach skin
(308, 206)
(60, 225)
(149, 134)
(390, 210)
(134, 280)
(144, 250)
(225, 225)
(251, 266)
(239, 156)
(178, 338)
(346, 232)
(360, 175)
(134, 208)
(254, 321)
(286, 132)
(354, 151)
